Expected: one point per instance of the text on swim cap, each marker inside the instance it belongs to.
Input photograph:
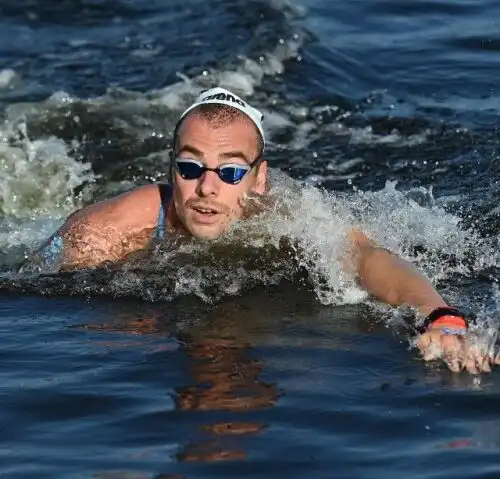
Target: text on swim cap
(224, 97)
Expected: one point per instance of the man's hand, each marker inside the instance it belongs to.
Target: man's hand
(396, 282)
(450, 343)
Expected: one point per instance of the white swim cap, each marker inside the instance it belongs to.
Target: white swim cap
(225, 97)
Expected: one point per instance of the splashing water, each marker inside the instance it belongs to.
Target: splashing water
(302, 236)
(39, 176)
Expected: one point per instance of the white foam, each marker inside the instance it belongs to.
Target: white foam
(400, 221)
(366, 136)
(8, 78)
(37, 177)
(345, 165)
(243, 79)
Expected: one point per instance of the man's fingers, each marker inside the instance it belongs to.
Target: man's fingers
(429, 347)
(471, 365)
(478, 360)
(453, 351)
(483, 360)
(453, 363)
(423, 342)
(486, 367)
(496, 358)
(457, 352)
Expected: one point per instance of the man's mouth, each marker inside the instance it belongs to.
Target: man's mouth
(206, 215)
(205, 210)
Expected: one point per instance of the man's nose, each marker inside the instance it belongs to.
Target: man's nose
(209, 184)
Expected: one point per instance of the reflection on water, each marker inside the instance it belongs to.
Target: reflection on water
(222, 385)
(222, 373)
(225, 378)
(230, 364)
(162, 390)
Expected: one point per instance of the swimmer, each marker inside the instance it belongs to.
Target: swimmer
(218, 159)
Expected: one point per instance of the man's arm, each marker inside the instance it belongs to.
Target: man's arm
(391, 279)
(396, 282)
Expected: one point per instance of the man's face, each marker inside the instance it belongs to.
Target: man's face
(207, 205)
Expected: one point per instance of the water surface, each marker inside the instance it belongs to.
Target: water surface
(249, 357)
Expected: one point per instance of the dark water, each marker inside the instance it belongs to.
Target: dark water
(248, 358)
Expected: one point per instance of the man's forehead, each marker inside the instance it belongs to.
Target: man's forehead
(220, 120)
(240, 131)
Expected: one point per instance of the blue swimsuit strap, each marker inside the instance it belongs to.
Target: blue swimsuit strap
(165, 195)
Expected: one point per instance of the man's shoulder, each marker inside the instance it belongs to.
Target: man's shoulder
(146, 196)
(138, 207)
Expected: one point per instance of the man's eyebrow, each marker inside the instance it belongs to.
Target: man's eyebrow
(226, 155)
(191, 149)
(234, 154)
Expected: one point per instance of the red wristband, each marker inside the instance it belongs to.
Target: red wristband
(445, 315)
(449, 320)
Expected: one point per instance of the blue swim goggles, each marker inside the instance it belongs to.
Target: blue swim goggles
(231, 173)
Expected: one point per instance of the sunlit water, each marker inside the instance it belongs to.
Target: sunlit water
(254, 356)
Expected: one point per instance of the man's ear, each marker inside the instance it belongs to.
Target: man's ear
(261, 179)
